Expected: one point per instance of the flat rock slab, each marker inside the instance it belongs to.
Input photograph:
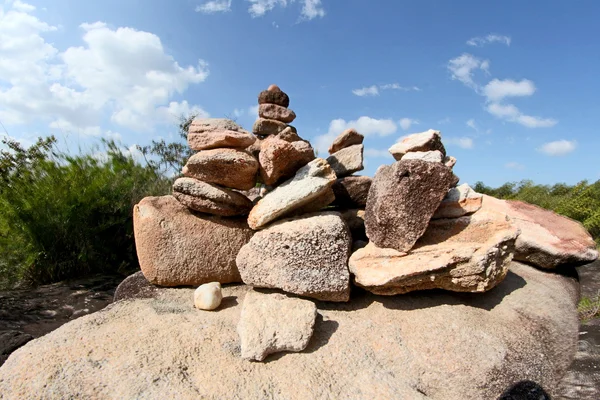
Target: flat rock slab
(265, 127)
(201, 125)
(311, 182)
(210, 199)
(430, 140)
(347, 160)
(273, 322)
(226, 167)
(468, 254)
(431, 156)
(402, 200)
(177, 247)
(307, 256)
(547, 239)
(277, 112)
(440, 346)
(459, 201)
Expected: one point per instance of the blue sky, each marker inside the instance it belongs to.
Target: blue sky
(512, 85)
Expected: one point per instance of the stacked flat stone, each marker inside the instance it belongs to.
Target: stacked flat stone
(221, 165)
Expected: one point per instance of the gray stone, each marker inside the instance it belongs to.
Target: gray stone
(266, 127)
(345, 139)
(352, 191)
(431, 156)
(209, 198)
(347, 160)
(425, 141)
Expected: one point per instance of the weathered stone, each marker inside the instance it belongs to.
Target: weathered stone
(347, 161)
(316, 204)
(547, 240)
(280, 160)
(209, 198)
(271, 323)
(431, 156)
(402, 200)
(459, 201)
(352, 191)
(289, 134)
(274, 97)
(201, 125)
(309, 183)
(425, 141)
(449, 161)
(176, 247)
(219, 139)
(307, 256)
(268, 127)
(467, 254)
(135, 286)
(355, 219)
(226, 167)
(208, 296)
(349, 137)
(420, 346)
(276, 112)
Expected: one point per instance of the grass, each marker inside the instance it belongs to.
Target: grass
(589, 308)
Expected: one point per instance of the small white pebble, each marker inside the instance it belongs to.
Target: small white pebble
(208, 296)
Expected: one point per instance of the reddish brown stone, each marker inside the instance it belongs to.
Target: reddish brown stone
(280, 160)
(226, 167)
(268, 127)
(347, 138)
(274, 97)
(279, 113)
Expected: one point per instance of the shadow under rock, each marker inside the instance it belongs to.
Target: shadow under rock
(228, 302)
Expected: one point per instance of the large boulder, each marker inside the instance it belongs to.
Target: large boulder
(211, 199)
(273, 322)
(307, 256)
(226, 167)
(547, 239)
(447, 346)
(280, 159)
(402, 200)
(468, 254)
(212, 133)
(311, 182)
(425, 141)
(176, 247)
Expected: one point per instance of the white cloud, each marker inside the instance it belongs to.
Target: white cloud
(312, 9)
(463, 67)
(365, 125)
(492, 38)
(377, 153)
(253, 111)
(214, 6)
(558, 148)
(367, 91)
(123, 74)
(406, 123)
(176, 110)
(462, 142)
(497, 90)
(514, 165)
(444, 121)
(258, 8)
(511, 113)
(24, 7)
(471, 124)
(395, 86)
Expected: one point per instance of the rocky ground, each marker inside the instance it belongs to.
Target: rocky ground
(28, 314)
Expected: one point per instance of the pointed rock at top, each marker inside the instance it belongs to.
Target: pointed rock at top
(425, 141)
(345, 139)
(274, 95)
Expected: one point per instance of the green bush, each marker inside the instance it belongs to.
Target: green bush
(580, 202)
(63, 216)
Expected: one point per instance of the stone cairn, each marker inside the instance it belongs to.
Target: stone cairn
(261, 209)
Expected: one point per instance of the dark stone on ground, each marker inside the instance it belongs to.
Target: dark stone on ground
(135, 286)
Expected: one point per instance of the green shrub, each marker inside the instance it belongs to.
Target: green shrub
(63, 216)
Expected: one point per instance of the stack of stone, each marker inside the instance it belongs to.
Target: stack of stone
(221, 165)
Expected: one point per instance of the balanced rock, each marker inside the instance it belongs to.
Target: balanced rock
(274, 95)
(208, 296)
(431, 156)
(402, 199)
(425, 141)
(211, 133)
(310, 182)
(547, 239)
(307, 256)
(347, 160)
(459, 201)
(209, 198)
(176, 247)
(345, 139)
(467, 254)
(271, 323)
(446, 346)
(289, 134)
(266, 127)
(135, 286)
(226, 167)
(352, 191)
(276, 112)
(449, 161)
(280, 159)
